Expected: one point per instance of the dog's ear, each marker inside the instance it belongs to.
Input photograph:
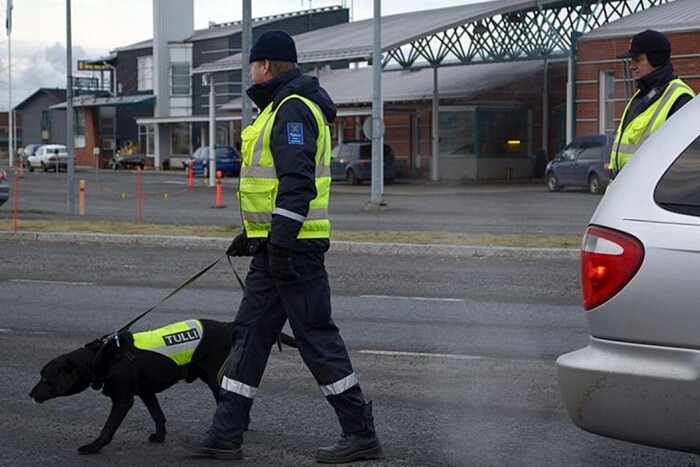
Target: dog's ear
(66, 379)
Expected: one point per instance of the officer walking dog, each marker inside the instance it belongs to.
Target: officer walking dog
(138, 364)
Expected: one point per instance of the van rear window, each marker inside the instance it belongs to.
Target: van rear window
(679, 188)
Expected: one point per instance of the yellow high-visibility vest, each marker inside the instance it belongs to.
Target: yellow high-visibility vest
(259, 185)
(177, 341)
(628, 140)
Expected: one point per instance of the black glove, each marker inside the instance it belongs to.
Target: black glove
(243, 246)
(281, 266)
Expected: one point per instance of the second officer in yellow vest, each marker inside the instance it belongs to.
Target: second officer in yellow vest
(659, 95)
(284, 192)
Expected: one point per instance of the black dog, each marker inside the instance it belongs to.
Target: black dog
(121, 367)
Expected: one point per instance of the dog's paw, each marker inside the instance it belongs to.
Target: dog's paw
(92, 448)
(156, 438)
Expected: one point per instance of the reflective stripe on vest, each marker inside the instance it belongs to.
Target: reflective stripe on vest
(177, 341)
(259, 184)
(630, 138)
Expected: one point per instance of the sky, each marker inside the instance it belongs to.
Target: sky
(38, 40)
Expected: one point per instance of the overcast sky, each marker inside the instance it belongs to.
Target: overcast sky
(98, 26)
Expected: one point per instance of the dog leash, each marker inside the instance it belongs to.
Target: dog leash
(182, 286)
(115, 334)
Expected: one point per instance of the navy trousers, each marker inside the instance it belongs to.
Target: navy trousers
(267, 304)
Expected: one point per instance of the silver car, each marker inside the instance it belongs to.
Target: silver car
(639, 377)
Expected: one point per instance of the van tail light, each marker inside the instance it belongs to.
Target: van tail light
(609, 260)
(3, 174)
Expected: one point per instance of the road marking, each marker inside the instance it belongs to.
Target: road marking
(420, 354)
(31, 281)
(427, 299)
(5, 330)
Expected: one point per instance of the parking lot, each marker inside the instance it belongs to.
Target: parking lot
(497, 208)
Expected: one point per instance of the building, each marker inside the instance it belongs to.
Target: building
(153, 85)
(39, 124)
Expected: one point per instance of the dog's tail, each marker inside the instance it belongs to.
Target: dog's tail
(286, 339)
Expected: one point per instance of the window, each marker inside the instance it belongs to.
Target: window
(592, 153)
(180, 79)
(79, 128)
(607, 102)
(503, 132)
(145, 73)
(456, 131)
(45, 120)
(146, 141)
(679, 190)
(180, 141)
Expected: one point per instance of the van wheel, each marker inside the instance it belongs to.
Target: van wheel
(594, 185)
(552, 182)
(352, 178)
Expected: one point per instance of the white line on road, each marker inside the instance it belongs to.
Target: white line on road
(31, 281)
(420, 354)
(429, 299)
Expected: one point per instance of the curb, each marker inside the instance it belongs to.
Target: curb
(336, 246)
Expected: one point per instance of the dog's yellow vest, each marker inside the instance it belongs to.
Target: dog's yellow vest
(177, 341)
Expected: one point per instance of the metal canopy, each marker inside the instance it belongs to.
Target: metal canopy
(91, 101)
(494, 31)
(353, 86)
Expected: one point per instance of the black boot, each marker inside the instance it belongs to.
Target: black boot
(350, 448)
(211, 445)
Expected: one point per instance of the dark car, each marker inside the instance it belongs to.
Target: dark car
(228, 161)
(584, 163)
(4, 187)
(352, 161)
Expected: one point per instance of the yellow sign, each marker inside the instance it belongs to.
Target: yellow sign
(87, 66)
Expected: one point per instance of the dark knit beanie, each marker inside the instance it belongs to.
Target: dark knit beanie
(274, 45)
(652, 43)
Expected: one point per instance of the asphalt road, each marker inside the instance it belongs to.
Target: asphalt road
(457, 354)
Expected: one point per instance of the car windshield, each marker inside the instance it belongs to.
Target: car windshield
(62, 151)
(224, 151)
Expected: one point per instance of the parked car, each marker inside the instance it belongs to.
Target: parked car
(49, 157)
(28, 150)
(228, 161)
(639, 378)
(585, 163)
(351, 161)
(4, 187)
(127, 161)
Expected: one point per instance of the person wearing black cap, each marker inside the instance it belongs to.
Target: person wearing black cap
(659, 95)
(284, 192)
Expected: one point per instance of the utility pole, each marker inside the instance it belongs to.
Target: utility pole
(70, 142)
(246, 43)
(376, 201)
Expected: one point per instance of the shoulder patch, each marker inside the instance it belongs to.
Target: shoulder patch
(295, 133)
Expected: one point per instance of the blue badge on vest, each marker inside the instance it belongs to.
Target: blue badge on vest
(295, 133)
